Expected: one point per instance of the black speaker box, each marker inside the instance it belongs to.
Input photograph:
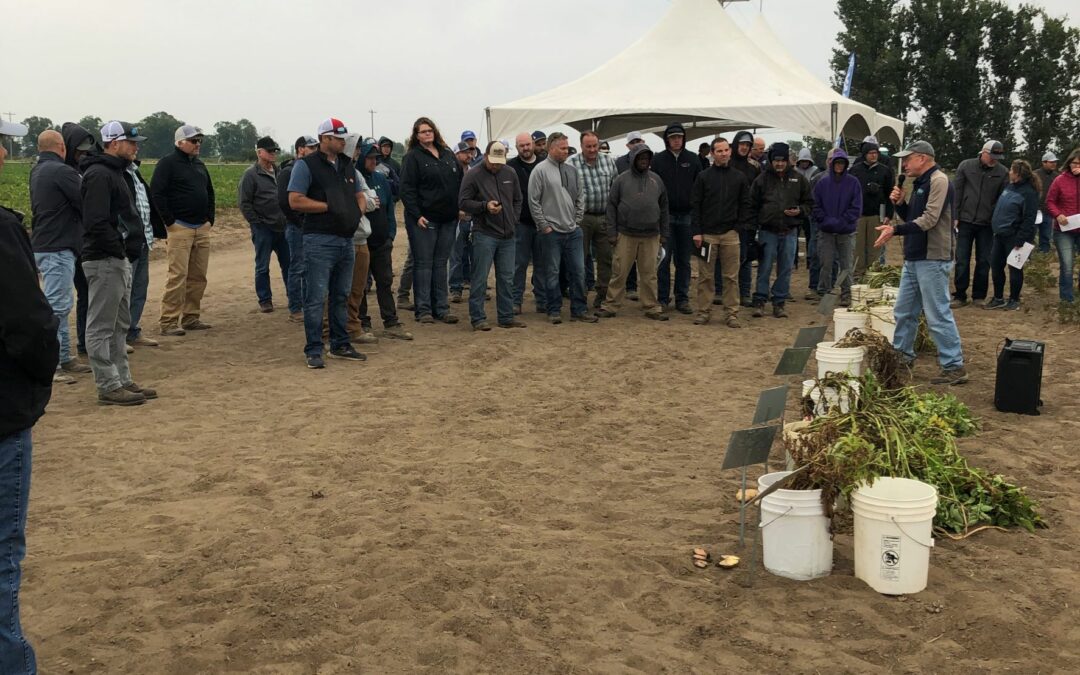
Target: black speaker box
(1019, 377)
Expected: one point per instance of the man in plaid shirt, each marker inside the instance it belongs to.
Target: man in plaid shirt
(597, 172)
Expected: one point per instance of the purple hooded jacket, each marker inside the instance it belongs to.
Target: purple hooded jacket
(837, 199)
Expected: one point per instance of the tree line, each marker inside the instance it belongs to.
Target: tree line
(959, 72)
(226, 141)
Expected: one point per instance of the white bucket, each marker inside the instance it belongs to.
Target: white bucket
(883, 321)
(890, 293)
(795, 536)
(839, 359)
(792, 437)
(845, 319)
(893, 526)
(833, 399)
(858, 293)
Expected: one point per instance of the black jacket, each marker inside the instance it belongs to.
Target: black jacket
(430, 186)
(291, 217)
(479, 187)
(720, 201)
(772, 193)
(156, 223)
(182, 190)
(259, 199)
(29, 350)
(111, 224)
(745, 166)
(877, 182)
(977, 189)
(524, 170)
(678, 175)
(56, 204)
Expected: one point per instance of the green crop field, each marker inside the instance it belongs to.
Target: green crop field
(15, 184)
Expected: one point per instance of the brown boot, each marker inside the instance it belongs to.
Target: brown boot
(145, 391)
(121, 396)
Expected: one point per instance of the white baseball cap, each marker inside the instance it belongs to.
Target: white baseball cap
(187, 131)
(120, 131)
(496, 153)
(333, 127)
(12, 129)
(1049, 157)
(633, 136)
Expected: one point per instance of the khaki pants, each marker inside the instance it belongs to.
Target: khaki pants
(595, 236)
(726, 252)
(188, 252)
(629, 250)
(361, 264)
(865, 235)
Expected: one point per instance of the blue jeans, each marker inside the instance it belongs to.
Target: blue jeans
(461, 257)
(294, 285)
(328, 262)
(528, 249)
(924, 289)
(564, 249)
(267, 241)
(781, 249)
(58, 281)
(813, 262)
(1068, 244)
(487, 250)
(981, 239)
(746, 266)
(140, 281)
(431, 247)
(1046, 231)
(679, 246)
(16, 654)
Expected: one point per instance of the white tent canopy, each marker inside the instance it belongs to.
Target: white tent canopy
(663, 77)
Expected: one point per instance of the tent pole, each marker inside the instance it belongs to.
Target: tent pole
(834, 115)
(487, 116)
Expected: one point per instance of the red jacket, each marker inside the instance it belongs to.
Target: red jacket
(1064, 196)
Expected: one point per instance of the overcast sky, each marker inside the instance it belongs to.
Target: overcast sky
(285, 65)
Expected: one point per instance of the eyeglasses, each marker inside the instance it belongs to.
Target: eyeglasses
(194, 141)
(425, 131)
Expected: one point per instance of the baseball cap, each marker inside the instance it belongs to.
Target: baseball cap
(267, 143)
(86, 144)
(12, 129)
(539, 135)
(462, 147)
(468, 135)
(333, 127)
(634, 136)
(305, 142)
(120, 131)
(496, 153)
(920, 147)
(1049, 157)
(185, 132)
(995, 148)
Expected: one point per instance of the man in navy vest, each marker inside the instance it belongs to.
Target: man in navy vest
(324, 187)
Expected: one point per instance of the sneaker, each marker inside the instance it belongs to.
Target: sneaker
(632, 296)
(994, 303)
(513, 323)
(59, 377)
(605, 313)
(951, 376)
(717, 300)
(555, 319)
(701, 319)
(448, 318)
(656, 316)
(266, 307)
(145, 391)
(455, 297)
(732, 322)
(195, 324)
(74, 366)
(121, 396)
(584, 318)
(683, 308)
(957, 303)
(778, 311)
(397, 332)
(173, 331)
(348, 353)
(1011, 306)
(315, 361)
(481, 325)
(366, 338)
(296, 317)
(426, 318)
(143, 341)
(759, 310)
(517, 310)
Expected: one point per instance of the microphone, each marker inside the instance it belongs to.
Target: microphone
(900, 181)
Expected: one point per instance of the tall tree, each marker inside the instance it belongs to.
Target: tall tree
(159, 130)
(93, 124)
(34, 126)
(872, 32)
(235, 140)
(1009, 35)
(1050, 92)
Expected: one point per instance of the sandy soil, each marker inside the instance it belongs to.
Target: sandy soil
(514, 501)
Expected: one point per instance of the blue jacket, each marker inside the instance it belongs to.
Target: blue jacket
(838, 200)
(1014, 214)
(383, 225)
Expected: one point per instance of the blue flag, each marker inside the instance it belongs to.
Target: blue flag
(847, 89)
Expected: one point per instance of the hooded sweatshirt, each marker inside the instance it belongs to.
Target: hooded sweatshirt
(720, 201)
(73, 135)
(110, 219)
(837, 199)
(811, 169)
(877, 182)
(772, 193)
(678, 172)
(383, 230)
(481, 186)
(637, 201)
(1014, 214)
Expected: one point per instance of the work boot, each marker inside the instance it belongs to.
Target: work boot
(683, 308)
(632, 296)
(195, 324)
(656, 316)
(266, 307)
(759, 310)
(365, 337)
(397, 332)
(74, 366)
(145, 391)
(717, 299)
(746, 301)
(951, 376)
(296, 317)
(482, 326)
(513, 323)
(143, 341)
(455, 296)
(778, 311)
(605, 313)
(701, 319)
(732, 321)
(121, 396)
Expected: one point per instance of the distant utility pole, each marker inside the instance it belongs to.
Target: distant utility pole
(11, 146)
(372, 123)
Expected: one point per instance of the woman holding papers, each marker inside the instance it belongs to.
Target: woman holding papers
(1063, 203)
(1014, 231)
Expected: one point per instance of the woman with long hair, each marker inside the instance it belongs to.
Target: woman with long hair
(1063, 201)
(430, 180)
(1013, 223)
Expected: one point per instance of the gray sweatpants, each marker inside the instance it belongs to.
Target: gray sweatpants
(838, 248)
(108, 317)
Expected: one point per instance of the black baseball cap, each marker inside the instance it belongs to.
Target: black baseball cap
(267, 143)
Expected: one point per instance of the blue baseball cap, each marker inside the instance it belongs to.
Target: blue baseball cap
(468, 135)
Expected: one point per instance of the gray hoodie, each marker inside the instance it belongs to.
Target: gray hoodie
(638, 201)
(556, 199)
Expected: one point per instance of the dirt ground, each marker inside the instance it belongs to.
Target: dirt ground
(513, 501)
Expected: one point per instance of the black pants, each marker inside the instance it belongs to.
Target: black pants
(1003, 246)
(382, 268)
(82, 300)
(981, 238)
